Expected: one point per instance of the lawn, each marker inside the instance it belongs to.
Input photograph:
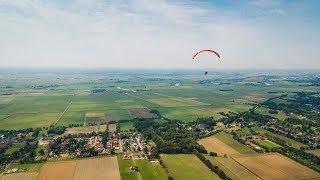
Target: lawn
(227, 139)
(268, 144)
(187, 167)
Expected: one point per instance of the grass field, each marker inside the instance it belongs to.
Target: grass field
(176, 101)
(187, 167)
(150, 170)
(232, 169)
(265, 111)
(228, 140)
(275, 166)
(126, 126)
(72, 118)
(213, 144)
(124, 168)
(147, 170)
(268, 144)
(20, 176)
(28, 120)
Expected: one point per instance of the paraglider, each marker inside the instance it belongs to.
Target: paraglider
(203, 51)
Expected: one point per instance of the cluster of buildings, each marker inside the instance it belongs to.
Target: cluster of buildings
(251, 139)
(294, 133)
(134, 146)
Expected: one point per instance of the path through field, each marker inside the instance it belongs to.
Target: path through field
(61, 115)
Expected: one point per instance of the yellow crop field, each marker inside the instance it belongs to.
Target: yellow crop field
(213, 144)
(85, 169)
(63, 170)
(97, 169)
(275, 166)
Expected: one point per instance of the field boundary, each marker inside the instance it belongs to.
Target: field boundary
(61, 115)
(245, 167)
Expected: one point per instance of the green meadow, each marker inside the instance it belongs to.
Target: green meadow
(187, 167)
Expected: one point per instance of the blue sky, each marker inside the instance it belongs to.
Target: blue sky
(159, 33)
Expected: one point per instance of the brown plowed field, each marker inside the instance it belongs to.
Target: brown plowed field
(142, 113)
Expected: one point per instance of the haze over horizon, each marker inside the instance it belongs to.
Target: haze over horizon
(159, 33)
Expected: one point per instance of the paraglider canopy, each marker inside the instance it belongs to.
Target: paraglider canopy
(206, 50)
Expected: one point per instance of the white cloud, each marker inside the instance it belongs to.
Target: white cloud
(141, 33)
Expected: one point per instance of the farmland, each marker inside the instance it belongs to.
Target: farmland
(213, 144)
(268, 144)
(232, 168)
(185, 166)
(227, 139)
(126, 126)
(19, 176)
(96, 168)
(275, 166)
(141, 113)
(138, 117)
(57, 170)
(86, 129)
(289, 141)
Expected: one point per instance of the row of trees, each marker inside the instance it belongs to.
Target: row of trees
(212, 167)
(305, 158)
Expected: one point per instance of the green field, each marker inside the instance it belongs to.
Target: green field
(28, 120)
(33, 167)
(268, 144)
(41, 107)
(124, 168)
(227, 139)
(126, 126)
(232, 169)
(265, 111)
(187, 167)
(151, 170)
(146, 171)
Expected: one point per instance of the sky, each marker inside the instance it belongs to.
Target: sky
(280, 34)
